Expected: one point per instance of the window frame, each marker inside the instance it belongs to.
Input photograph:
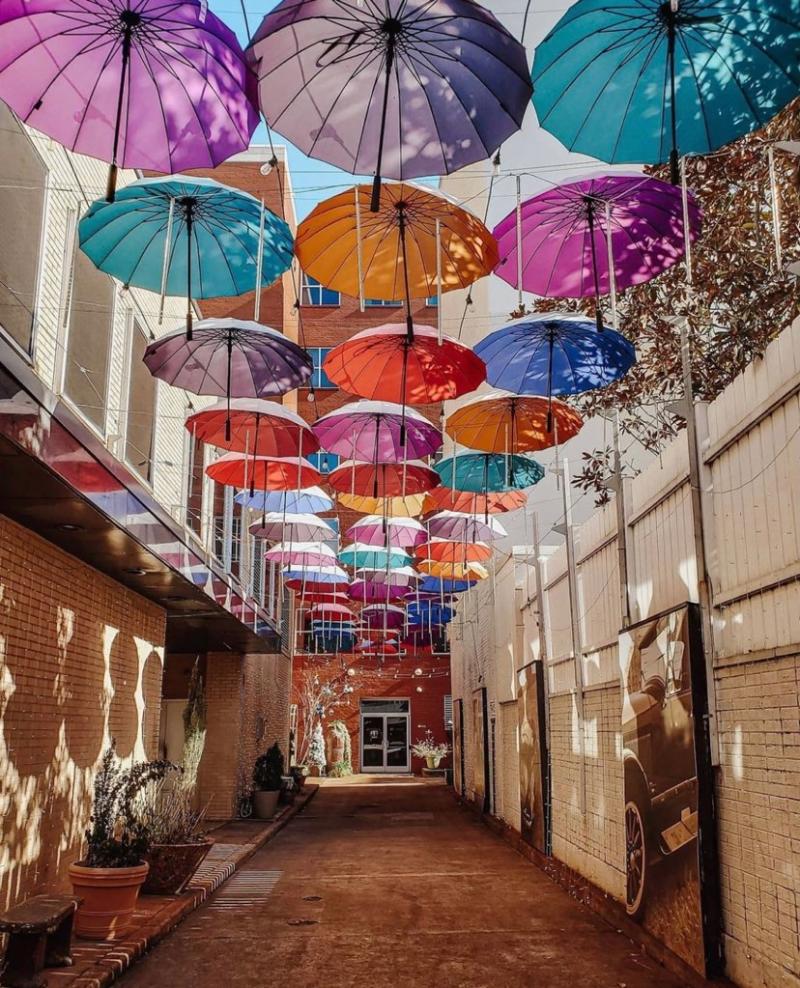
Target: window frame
(131, 324)
(318, 354)
(309, 286)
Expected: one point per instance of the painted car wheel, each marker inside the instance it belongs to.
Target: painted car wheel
(635, 858)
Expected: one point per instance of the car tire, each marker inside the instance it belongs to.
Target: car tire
(636, 858)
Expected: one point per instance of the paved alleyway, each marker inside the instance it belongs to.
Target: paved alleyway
(389, 883)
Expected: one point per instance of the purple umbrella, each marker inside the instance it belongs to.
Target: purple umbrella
(400, 88)
(383, 616)
(371, 431)
(370, 592)
(151, 84)
(404, 533)
(567, 233)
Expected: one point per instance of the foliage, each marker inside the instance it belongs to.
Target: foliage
(344, 766)
(323, 689)
(427, 747)
(117, 838)
(194, 713)
(738, 301)
(165, 808)
(316, 748)
(268, 770)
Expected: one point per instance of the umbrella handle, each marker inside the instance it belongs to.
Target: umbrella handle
(674, 161)
(189, 318)
(375, 203)
(129, 19)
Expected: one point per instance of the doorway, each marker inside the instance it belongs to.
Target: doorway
(384, 736)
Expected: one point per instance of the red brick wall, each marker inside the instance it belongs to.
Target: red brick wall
(80, 660)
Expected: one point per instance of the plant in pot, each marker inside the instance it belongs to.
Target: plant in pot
(113, 869)
(267, 782)
(429, 749)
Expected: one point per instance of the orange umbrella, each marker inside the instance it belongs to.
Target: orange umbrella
(447, 551)
(469, 503)
(389, 507)
(453, 571)
(512, 423)
(265, 473)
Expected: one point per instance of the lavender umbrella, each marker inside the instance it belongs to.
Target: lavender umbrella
(151, 84)
(404, 533)
(277, 525)
(401, 88)
(372, 430)
(566, 235)
(467, 528)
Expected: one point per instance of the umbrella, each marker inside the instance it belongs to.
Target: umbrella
(316, 574)
(566, 234)
(482, 472)
(360, 556)
(428, 612)
(493, 502)
(370, 591)
(187, 236)
(453, 571)
(277, 525)
(422, 87)
(465, 528)
(438, 587)
(267, 473)
(647, 80)
(250, 425)
(324, 595)
(301, 554)
(554, 354)
(383, 479)
(389, 507)
(445, 551)
(376, 530)
(332, 612)
(151, 84)
(383, 616)
(513, 423)
(371, 430)
(305, 502)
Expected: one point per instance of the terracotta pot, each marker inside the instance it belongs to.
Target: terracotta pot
(109, 898)
(172, 866)
(265, 803)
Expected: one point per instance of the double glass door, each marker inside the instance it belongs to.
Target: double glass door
(384, 741)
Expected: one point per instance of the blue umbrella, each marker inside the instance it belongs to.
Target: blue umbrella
(484, 472)
(646, 80)
(428, 612)
(434, 585)
(186, 236)
(554, 355)
(309, 501)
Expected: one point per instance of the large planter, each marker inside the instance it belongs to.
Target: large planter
(265, 803)
(172, 866)
(109, 898)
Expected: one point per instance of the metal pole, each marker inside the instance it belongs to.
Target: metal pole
(687, 233)
(519, 240)
(622, 528)
(776, 209)
(439, 279)
(259, 263)
(165, 263)
(612, 273)
(359, 259)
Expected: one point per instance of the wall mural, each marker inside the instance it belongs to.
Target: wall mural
(670, 827)
(534, 767)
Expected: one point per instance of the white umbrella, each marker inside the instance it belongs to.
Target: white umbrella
(276, 526)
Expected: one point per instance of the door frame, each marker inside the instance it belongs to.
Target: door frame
(385, 769)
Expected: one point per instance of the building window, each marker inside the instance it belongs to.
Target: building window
(432, 301)
(324, 462)
(23, 180)
(194, 485)
(88, 348)
(319, 379)
(140, 419)
(315, 294)
(378, 303)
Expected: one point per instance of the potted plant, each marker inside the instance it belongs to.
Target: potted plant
(112, 871)
(267, 782)
(432, 751)
(299, 774)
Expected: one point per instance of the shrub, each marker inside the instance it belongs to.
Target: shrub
(268, 770)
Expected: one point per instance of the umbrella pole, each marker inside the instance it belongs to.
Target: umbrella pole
(375, 204)
(259, 264)
(439, 281)
(674, 169)
(228, 388)
(129, 18)
(189, 223)
(165, 265)
(687, 233)
(359, 259)
(255, 453)
(486, 488)
(598, 315)
(612, 274)
(519, 244)
(550, 382)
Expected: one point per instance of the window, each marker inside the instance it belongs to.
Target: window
(91, 318)
(140, 419)
(378, 303)
(23, 178)
(432, 301)
(315, 294)
(319, 379)
(324, 462)
(194, 492)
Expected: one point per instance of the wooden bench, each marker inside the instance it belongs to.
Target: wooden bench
(39, 936)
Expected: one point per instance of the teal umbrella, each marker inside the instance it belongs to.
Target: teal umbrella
(371, 557)
(480, 473)
(644, 81)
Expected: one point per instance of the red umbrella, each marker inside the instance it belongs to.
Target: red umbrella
(383, 479)
(332, 612)
(258, 427)
(318, 596)
(469, 503)
(266, 473)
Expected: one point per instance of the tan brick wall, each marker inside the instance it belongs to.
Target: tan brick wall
(80, 660)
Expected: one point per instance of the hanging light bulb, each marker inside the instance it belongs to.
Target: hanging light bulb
(267, 167)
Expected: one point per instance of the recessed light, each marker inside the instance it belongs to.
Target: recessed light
(135, 571)
(67, 526)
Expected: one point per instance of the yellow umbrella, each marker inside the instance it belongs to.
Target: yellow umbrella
(390, 507)
(453, 571)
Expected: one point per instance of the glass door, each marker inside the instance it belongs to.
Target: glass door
(373, 732)
(397, 742)
(384, 742)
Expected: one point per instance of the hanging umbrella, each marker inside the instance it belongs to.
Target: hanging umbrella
(301, 554)
(466, 528)
(553, 354)
(513, 423)
(383, 616)
(372, 591)
(390, 507)
(383, 479)
(333, 575)
(483, 472)
(190, 237)
(493, 502)
(332, 612)
(437, 587)
(267, 473)
(428, 612)
(445, 551)
(359, 556)
(308, 502)
(422, 87)
(277, 525)
(376, 530)
(150, 84)
(567, 233)
(371, 430)
(647, 80)
(322, 596)
(250, 425)
(453, 571)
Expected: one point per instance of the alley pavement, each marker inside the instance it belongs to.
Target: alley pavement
(388, 882)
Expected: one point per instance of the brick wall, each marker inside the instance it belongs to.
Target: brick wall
(80, 660)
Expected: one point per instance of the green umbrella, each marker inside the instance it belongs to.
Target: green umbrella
(484, 472)
(361, 556)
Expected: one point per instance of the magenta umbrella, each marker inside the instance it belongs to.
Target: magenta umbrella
(370, 592)
(150, 84)
(383, 616)
(566, 234)
(372, 430)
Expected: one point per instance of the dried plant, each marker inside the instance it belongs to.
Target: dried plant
(165, 809)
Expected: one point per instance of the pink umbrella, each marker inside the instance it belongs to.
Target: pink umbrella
(403, 533)
(301, 554)
(459, 527)
(332, 612)
(265, 473)
(277, 525)
(373, 430)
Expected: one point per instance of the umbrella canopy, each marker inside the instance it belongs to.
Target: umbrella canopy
(186, 236)
(307, 554)
(644, 81)
(388, 88)
(316, 574)
(445, 551)
(322, 595)
(277, 525)
(151, 84)
(369, 592)
(513, 423)
(250, 425)
(332, 612)
(306, 502)
(553, 354)
(438, 587)
(383, 363)
(360, 556)
(391, 507)
(467, 528)
(493, 502)
(266, 473)
(383, 616)
(453, 571)
(383, 479)
(377, 530)
(481, 472)
(372, 430)
(428, 612)
(566, 233)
